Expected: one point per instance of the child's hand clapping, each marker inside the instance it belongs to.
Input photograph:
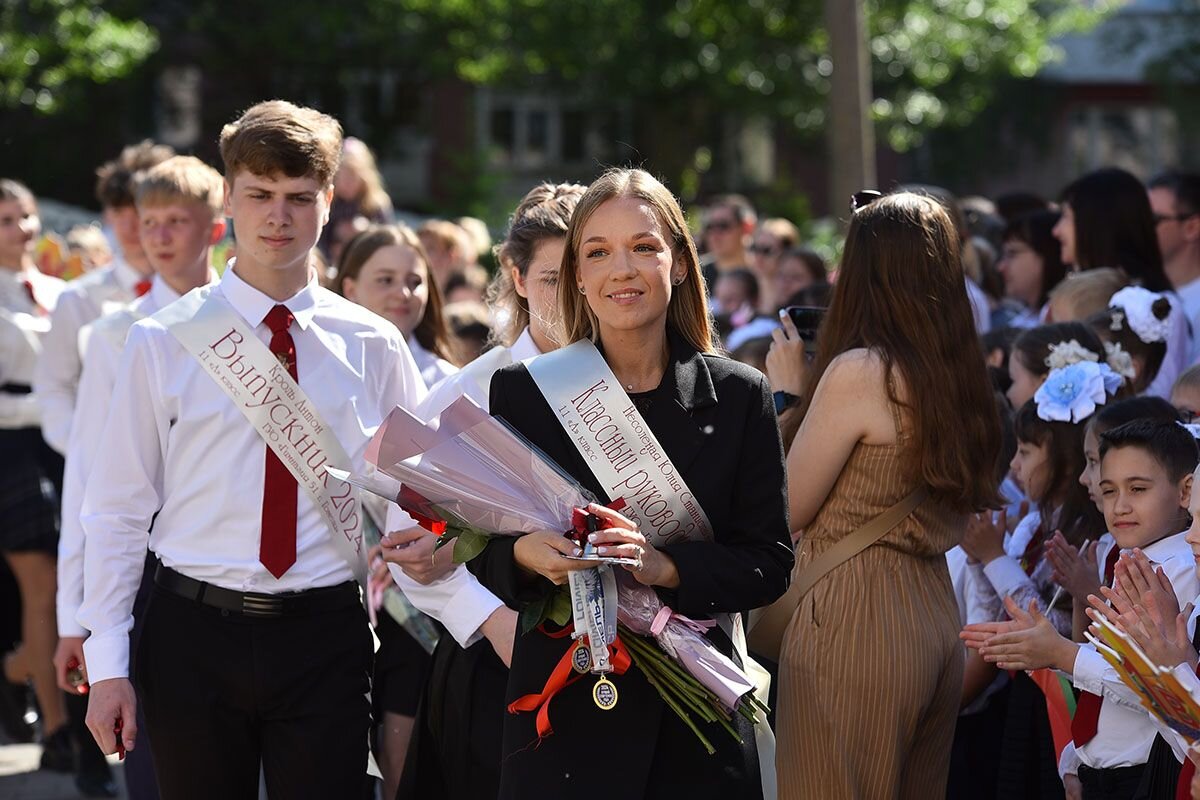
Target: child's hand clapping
(983, 541)
(1136, 580)
(1027, 641)
(1077, 572)
(1162, 636)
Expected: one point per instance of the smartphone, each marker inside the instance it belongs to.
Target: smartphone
(807, 320)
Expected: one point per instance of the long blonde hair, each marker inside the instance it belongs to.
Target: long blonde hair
(687, 312)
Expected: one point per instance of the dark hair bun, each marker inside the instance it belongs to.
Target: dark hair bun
(1161, 308)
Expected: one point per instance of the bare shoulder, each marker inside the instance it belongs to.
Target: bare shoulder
(854, 371)
(856, 384)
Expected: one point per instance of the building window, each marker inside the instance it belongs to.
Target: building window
(528, 131)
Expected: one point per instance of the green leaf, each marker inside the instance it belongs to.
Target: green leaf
(559, 611)
(468, 544)
(533, 612)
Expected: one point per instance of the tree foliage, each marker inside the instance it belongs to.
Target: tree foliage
(935, 62)
(49, 47)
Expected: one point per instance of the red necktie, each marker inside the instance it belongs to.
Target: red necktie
(277, 549)
(1087, 709)
(141, 287)
(37, 307)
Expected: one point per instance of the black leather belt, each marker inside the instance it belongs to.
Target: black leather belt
(257, 604)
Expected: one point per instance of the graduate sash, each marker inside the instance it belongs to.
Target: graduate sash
(274, 404)
(623, 454)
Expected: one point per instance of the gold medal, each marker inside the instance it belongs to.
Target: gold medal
(581, 659)
(604, 693)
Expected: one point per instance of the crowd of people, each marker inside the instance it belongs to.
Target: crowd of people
(924, 470)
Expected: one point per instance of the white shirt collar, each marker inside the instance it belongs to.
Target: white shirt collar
(162, 295)
(524, 347)
(127, 277)
(254, 306)
(1162, 549)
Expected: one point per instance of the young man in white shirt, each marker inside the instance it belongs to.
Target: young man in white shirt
(255, 650)
(179, 204)
(98, 292)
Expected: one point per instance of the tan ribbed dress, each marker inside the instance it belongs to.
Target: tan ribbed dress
(871, 667)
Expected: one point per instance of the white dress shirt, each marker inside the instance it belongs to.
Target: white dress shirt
(24, 325)
(15, 297)
(57, 377)
(458, 600)
(101, 357)
(20, 345)
(1189, 296)
(176, 445)
(1125, 729)
(431, 367)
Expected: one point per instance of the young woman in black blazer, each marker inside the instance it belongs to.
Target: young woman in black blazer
(631, 282)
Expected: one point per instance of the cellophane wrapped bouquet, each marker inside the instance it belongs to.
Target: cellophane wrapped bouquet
(467, 476)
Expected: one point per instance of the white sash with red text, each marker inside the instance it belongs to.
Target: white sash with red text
(606, 428)
(275, 405)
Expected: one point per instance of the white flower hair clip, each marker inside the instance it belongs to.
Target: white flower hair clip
(1064, 354)
(1072, 393)
(1138, 306)
(1120, 361)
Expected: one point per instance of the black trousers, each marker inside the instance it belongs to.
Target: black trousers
(1118, 783)
(224, 693)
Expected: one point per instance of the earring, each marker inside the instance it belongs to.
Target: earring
(677, 281)
(582, 290)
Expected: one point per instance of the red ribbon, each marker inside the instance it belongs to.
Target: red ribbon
(563, 676)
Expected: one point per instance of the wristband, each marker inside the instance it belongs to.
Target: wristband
(783, 400)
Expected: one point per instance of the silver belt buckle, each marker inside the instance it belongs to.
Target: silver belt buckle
(261, 605)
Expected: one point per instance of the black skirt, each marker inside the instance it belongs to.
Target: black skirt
(401, 669)
(455, 749)
(30, 488)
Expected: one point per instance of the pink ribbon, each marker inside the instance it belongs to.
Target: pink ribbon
(665, 615)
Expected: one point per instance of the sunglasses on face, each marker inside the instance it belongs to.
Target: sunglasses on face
(863, 199)
(764, 250)
(1187, 414)
(718, 225)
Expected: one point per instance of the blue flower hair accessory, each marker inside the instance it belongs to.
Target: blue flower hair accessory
(1072, 393)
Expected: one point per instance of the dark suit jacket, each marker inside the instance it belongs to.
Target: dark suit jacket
(715, 419)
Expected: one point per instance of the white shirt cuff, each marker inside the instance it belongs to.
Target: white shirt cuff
(1005, 575)
(1068, 763)
(1088, 672)
(457, 600)
(107, 656)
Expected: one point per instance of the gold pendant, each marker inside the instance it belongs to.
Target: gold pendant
(581, 659)
(604, 693)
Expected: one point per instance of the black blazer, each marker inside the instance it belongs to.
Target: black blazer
(715, 419)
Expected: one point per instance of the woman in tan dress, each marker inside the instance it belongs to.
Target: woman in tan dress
(871, 666)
